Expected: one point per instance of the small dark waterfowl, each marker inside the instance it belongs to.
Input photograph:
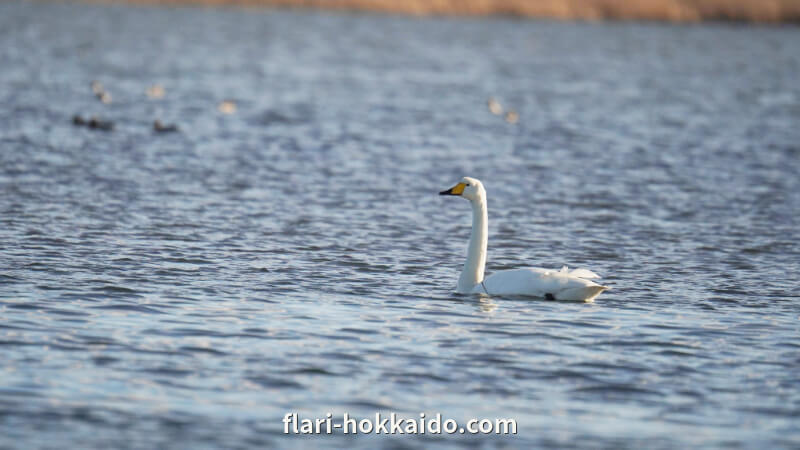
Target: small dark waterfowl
(159, 127)
(100, 124)
(93, 122)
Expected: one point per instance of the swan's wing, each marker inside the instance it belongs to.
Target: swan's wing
(530, 281)
(561, 285)
(583, 273)
(579, 273)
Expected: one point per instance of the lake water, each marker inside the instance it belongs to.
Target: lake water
(187, 290)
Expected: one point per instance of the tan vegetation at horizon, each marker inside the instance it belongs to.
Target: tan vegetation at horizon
(670, 10)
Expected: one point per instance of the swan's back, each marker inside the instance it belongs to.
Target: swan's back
(552, 284)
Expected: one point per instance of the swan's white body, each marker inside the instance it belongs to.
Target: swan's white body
(552, 284)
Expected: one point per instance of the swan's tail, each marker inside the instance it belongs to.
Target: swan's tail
(585, 293)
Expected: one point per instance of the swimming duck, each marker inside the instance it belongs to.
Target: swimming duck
(159, 127)
(100, 124)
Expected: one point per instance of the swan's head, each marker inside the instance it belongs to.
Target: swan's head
(469, 188)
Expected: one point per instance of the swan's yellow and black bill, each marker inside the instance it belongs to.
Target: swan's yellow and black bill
(455, 190)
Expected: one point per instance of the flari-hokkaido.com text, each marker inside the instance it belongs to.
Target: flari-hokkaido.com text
(393, 424)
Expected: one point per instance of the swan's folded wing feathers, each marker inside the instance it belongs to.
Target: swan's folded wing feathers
(584, 273)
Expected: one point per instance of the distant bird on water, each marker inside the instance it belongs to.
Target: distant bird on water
(494, 106)
(227, 107)
(512, 116)
(155, 91)
(93, 123)
(159, 127)
(97, 87)
(99, 124)
(100, 92)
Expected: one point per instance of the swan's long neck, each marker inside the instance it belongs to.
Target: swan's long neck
(476, 253)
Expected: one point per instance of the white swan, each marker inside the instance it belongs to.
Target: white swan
(550, 284)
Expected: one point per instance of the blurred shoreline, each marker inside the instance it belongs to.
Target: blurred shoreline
(755, 11)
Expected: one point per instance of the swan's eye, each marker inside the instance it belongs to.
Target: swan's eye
(466, 184)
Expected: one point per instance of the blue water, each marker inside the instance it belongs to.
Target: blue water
(187, 290)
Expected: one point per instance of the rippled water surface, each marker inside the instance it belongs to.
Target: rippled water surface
(189, 289)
